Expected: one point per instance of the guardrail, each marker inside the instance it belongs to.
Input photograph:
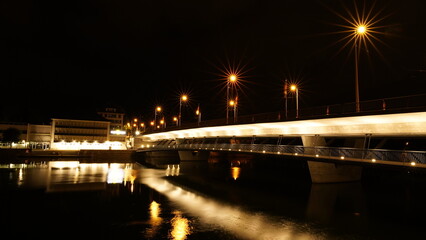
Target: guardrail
(373, 155)
(379, 106)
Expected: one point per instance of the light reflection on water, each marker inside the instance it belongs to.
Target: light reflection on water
(155, 220)
(174, 212)
(244, 224)
(75, 176)
(180, 227)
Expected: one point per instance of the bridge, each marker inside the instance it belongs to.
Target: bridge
(314, 140)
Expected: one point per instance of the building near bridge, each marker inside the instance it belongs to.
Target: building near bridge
(66, 134)
(113, 115)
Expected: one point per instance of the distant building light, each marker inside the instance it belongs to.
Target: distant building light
(118, 132)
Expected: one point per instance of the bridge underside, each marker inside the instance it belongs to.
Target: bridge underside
(326, 164)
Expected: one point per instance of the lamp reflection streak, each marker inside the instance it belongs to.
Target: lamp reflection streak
(155, 219)
(181, 227)
(241, 223)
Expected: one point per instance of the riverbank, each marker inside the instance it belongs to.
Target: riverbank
(27, 155)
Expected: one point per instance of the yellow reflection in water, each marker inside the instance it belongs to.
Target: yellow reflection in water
(172, 171)
(115, 175)
(235, 172)
(180, 226)
(155, 220)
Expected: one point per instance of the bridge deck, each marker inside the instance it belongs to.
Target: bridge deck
(398, 125)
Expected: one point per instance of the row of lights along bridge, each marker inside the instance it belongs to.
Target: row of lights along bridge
(232, 93)
(231, 108)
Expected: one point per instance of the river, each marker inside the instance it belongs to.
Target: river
(259, 198)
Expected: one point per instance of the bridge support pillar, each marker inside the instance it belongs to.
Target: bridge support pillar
(329, 172)
(192, 155)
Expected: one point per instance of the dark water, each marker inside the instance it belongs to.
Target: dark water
(222, 199)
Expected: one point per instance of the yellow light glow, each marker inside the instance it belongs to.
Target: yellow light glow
(233, 78)
(161, 121)
(231, 103)
(235, 172)
(152, 123)
(135, 120)
(197, 112)
(154, 209)
(361, 29)
(115, 175)
(181, 228)
(175, 119)
(413, 164)
(184, 98)
(64, 164)
(155, 220)
(158, 109)
(293, 87)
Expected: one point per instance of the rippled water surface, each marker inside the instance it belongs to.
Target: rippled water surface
(227, 199)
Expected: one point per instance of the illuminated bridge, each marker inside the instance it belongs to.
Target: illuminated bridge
(335, 148)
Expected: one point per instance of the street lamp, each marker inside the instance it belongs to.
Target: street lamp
(233, 104)
(360, 32)
(294, 88)
(198, 113)
(157, 109)
(183, 98)
(230, 90)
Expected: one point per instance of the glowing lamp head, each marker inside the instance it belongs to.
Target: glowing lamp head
(158, 109)
(361, 29)
(233, 78)
(293, 87)
(175, 119)
(231, 103)
(184, 98)
(152, 123)
(197, 112)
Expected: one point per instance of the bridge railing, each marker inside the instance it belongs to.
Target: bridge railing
(377, 106)
(412, 157)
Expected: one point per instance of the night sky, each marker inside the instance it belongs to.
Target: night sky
(70, 58)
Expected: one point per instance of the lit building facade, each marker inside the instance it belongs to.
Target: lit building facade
(115, 116)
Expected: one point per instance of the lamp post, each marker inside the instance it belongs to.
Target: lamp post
(198, 113)
(233, 104)
(294, 88)
(183, 98)
(232, 79)
(157, 109)
(360, 32)
(286, 97)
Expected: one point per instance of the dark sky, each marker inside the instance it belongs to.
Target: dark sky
(69, 58)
